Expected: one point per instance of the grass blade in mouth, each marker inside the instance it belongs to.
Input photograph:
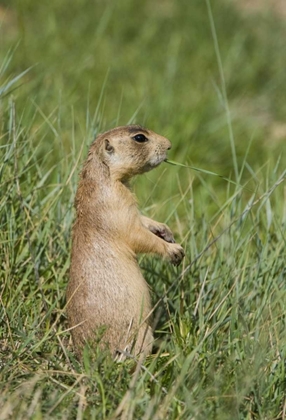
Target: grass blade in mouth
(204, 171)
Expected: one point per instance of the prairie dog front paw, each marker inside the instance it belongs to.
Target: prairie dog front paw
(175, 254)
(162, 231)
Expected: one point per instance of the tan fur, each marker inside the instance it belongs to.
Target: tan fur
(106, 288)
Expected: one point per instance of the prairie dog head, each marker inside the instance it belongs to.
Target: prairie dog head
(130, 150)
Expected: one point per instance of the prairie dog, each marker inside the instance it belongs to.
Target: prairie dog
(106, 288)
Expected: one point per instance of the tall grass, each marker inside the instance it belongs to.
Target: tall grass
(220, 318)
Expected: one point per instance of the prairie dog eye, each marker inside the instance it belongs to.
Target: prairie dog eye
(140, 138)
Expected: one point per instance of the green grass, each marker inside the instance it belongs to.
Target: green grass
(213, 81)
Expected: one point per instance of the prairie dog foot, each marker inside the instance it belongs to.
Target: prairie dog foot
(159, 229)
(163, 232)
(175, 254)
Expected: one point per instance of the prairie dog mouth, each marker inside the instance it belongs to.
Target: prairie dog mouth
(156, 160)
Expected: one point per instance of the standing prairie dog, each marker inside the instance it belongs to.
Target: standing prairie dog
(106, 290)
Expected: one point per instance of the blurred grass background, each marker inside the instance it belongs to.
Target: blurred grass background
(155, 63)
(100, 64)
(95, 65)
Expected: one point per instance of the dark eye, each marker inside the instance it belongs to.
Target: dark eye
(140, 138)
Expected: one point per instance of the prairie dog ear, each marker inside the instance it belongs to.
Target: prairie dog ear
(108, 146)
